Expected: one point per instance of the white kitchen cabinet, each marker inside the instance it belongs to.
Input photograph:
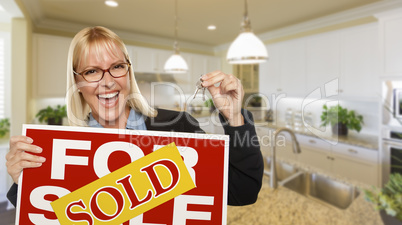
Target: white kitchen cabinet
(322, 60)
(270, 71)
(359, 54)
(390, 42)
(148, 60)
(284, 72)
(292, 79)
(49, 65)
(352, 168)
(357, 163)
(314, 152)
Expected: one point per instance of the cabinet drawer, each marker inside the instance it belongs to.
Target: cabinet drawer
(356, 152)
(312, 142)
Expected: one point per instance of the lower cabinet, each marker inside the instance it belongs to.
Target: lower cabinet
(353, 162)
(357, 163)
(359, 170)
(315, 158)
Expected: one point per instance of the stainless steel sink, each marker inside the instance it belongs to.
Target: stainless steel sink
(283, 170)
(323, 189)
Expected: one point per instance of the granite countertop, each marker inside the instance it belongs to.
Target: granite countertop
(285, 207)
(353, 138)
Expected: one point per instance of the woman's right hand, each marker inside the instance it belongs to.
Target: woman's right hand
(19, 157)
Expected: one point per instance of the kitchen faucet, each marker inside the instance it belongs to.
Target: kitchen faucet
(296, 150)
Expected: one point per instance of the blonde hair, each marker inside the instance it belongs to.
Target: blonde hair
(103, 41)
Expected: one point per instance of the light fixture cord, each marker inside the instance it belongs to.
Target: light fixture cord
(176, 30)
(246, 24)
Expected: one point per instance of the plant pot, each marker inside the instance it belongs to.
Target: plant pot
(389, 220)
(340, 129)
(52, 121)
(255, 104)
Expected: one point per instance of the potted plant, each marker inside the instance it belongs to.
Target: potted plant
(4, 127)
(388, 200)
(52, 116)
(256, 101)
(210, 104)
(341, 119)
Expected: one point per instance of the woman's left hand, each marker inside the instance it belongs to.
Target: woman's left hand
(227, 97)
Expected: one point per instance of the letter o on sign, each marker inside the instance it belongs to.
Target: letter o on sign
(115, 194)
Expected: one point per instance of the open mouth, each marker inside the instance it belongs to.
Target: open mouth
(109, 99)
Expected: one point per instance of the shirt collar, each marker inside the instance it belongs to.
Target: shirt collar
(135, 121)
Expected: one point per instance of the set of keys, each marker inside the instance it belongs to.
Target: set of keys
(198, 87)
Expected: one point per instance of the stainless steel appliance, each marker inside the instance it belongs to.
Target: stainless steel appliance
(391, 152)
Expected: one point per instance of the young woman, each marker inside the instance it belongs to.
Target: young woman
(102, 92)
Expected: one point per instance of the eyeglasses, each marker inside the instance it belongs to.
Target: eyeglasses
(97, 74)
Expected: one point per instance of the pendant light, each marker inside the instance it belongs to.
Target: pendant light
(247, 48)
(176, 63)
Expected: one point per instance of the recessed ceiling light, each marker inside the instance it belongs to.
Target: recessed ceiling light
(111, 3)
(211, 27)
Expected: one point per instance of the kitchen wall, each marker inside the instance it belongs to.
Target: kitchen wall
(369, 111)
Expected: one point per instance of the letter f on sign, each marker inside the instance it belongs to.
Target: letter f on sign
(60, 159)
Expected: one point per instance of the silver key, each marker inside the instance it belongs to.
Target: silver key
(198, 87)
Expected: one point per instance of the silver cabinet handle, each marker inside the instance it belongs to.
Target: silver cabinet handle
(352, 151)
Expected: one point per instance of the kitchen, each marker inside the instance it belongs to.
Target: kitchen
(348, 55)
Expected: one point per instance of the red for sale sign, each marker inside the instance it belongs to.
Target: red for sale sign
(78, 156)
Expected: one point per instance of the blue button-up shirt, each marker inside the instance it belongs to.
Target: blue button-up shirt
(135, 121)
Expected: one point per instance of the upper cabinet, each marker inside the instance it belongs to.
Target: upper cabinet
(49, 59)
(148, 60)
(50, 65)
(332, 63)
(284, 72)
(360, 62)
(390, 42)
(322, 60)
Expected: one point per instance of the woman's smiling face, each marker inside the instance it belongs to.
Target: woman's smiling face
(107, 97)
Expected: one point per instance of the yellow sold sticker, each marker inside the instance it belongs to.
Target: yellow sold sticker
(128, 191)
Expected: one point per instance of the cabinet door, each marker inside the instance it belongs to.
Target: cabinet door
(391, 36)
(292, 78)
(144, 59)
(161, 56)
(213, 63)
(356, 162)
(314, 158)
(49, 65)
(270, 72)
(322, 60)
(360, 62)
(314, 152)
(359, 170)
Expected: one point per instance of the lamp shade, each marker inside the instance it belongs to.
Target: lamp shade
(176, 64)
(247, 49)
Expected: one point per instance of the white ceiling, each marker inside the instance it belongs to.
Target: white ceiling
(155, 18)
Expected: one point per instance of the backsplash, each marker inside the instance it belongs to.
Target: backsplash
(369, 111)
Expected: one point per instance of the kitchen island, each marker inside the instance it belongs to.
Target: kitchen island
(285, 207)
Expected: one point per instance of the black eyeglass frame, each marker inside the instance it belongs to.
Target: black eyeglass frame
(104, 71)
